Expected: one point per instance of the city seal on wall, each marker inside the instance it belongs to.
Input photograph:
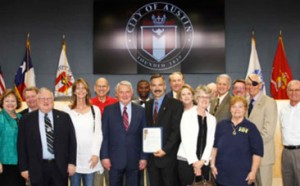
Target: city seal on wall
(159, 36)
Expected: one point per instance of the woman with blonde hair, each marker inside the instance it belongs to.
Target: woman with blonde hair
(197, 129)
(87, 123)
(186, 96)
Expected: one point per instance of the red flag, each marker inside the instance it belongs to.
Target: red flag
(281, 73)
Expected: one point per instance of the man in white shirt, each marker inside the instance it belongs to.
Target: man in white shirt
(219, 107)
(290, 126)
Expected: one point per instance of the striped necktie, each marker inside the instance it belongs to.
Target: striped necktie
(125, 119)
(155, 112)
(49, 134)
(216, 107)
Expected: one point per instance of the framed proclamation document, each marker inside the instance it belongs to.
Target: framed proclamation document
(152, 139)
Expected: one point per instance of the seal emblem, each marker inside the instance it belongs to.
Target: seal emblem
(159, 36)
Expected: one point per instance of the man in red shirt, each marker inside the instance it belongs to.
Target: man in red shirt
(101, 99)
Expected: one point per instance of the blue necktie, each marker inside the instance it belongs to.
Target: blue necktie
(250, 107)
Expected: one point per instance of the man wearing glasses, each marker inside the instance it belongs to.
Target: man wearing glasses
(46, 144)
(263, 113)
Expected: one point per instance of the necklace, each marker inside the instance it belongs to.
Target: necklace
(234, 129)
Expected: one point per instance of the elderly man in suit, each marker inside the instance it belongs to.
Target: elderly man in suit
(219, 107)
(165, 112)
(46, 144)
(176, 80)
(122, 127)
(263, 113)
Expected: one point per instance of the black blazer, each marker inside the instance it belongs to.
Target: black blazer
(170, 94)
(169, 116)
(23, 112)
(30, 145)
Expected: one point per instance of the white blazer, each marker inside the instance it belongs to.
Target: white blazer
(189, 131)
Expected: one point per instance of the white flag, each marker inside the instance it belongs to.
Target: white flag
(64, 77)
(254, 65)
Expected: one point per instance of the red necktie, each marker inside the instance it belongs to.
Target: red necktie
(155, 111)
(125, 119)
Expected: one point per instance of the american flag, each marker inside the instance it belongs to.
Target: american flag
(2, 83)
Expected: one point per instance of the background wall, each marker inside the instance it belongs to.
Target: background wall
(47, 21)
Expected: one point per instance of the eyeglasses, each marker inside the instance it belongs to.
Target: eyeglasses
(253, 83)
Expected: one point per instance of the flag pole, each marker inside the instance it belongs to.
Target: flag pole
(65, 62)
(27, 58)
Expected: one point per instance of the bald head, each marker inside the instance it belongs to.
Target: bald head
(101, 88)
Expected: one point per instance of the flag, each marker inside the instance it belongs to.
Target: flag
(281, 73)
(25, 76)
(254, 65)
(2, 83)
(64, 77)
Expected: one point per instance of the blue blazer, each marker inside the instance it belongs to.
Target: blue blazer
(123, 148)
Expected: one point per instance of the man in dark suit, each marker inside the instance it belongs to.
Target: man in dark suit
(176, 80)
(30, 96)
(122, 126)
(143, 91)
(46, 144)
(164, 112)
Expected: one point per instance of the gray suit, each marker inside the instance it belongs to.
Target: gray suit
(223, 111)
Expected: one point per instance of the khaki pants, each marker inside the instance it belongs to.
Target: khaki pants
(101, 179)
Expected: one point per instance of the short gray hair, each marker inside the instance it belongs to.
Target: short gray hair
(224, 76)
(124, 82)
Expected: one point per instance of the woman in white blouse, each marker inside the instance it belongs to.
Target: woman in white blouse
(87, 123)
(197, 130)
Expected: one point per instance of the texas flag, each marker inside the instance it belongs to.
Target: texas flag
(64, 77)
(25, 76)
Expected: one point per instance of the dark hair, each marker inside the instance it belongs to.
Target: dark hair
(8, 92)
(154, 76)
(142, 81)
(239, 81)
(74, 97)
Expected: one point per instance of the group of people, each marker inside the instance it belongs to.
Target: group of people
(206, 132)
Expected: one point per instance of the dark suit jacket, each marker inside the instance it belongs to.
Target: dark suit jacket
(123, 148)
(169, 116)
(30, 145)
(170, 94)
(23, 112)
